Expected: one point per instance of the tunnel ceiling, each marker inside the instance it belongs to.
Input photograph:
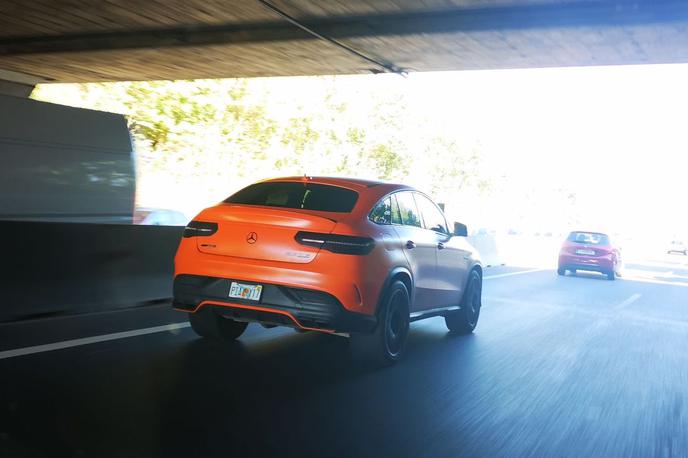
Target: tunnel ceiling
(89, 40)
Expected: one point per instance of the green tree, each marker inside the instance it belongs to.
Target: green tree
(213, 136)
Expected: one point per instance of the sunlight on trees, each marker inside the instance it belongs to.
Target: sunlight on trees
(198, 141)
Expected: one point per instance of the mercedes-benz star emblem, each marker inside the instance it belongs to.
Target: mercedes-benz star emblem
(252, 237)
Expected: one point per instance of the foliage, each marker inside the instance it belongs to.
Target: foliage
(217, 135)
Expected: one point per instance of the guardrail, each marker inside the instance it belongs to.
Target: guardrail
(58, 268)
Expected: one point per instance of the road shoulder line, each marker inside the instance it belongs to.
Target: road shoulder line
(90, 340)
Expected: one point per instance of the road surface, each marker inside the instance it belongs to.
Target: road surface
(559, 366)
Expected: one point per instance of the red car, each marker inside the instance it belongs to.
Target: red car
(589, 251)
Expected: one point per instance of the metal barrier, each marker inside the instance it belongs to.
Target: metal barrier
(60, 268)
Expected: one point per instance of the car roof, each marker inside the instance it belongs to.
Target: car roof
(589, 232)
(352, 183)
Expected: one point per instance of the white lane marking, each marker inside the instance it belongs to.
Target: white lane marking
(90, 340)
(628, 301)
(520, 272)
(653, 281)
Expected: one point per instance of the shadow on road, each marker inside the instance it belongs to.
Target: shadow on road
(588, 275)
(264, 396)
(269, 399)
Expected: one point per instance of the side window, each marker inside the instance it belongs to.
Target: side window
(396, 214)
(432, 216)
(408, 209)
(382, 213)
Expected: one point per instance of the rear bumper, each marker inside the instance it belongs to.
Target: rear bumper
(356, 281)
(599, 264)
(279, 305)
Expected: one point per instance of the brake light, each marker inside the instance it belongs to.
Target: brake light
(343, 244)
(199, 229)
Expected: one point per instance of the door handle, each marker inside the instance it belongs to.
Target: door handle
(440, 246)
(410, 244)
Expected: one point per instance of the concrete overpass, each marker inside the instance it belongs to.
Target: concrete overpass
(68, 41)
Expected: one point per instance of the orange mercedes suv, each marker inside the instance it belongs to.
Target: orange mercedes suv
(346, 256)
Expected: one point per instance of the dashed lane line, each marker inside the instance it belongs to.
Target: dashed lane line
(509, 274)
(628, 301)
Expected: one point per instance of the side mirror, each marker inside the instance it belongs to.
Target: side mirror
(460, 230)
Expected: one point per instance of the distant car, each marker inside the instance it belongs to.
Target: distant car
(159, 217)
(677, 247)
(589, 251)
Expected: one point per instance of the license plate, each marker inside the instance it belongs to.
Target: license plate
(588, 252)
(242, 291)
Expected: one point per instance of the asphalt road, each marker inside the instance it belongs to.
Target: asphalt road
(559, 366)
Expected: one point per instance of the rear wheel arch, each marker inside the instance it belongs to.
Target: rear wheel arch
(386, 343)
(398, 273)
(405, 278)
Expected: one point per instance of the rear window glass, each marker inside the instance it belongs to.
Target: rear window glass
(589, 238)
(307, 196)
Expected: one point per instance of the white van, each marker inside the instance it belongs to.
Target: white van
(64, 164)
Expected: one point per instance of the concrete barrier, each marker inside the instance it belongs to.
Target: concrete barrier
(59, 268)
(489, 249)
(68, 268)
(531, 251)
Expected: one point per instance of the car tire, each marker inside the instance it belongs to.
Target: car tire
(561, 271)
(465, 320)
(386, 344)
(206, 323)
(611, 275)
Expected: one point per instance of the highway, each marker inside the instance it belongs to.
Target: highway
(559, 366)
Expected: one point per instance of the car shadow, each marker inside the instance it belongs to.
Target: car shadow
(588, 275)
(232, 396)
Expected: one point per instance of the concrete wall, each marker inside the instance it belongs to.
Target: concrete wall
(489, 249)
(66, 268)
(14, 89)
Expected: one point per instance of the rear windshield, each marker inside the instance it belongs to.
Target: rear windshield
(589, 238)
(307, 196)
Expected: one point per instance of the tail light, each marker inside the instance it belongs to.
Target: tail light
(199, 229)
(343, 244)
